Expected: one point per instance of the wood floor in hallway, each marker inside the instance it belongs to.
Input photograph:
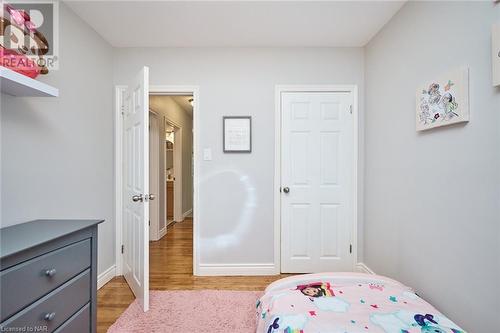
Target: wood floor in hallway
(171, 268)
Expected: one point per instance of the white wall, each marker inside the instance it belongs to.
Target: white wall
(165, 106)
(236, 190)
(433, 198)
(57, 153)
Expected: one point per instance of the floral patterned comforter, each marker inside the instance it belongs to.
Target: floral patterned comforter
(346, 303)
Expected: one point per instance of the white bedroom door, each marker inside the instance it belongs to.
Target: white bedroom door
(317, 181)
(136, 187)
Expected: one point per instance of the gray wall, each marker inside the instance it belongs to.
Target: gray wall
(57, 153)
(236, 190)
(432, 199)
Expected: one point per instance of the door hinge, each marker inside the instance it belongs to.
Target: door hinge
(123, 248)
(149, 222)
(350, 109)
(123, 109)
(350, 248)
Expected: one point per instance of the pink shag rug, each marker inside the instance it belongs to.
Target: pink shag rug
(186, 311)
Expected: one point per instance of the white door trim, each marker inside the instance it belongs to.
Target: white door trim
(178, 176)
(159, 90)
(154, 227)
(279, 89)
(177, 196)
(119, 91)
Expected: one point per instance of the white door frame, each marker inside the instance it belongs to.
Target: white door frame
(157, 90)
(279, 89)
(178, 176)
(119, 93)
(154, 227)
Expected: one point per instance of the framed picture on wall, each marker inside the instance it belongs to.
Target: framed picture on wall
(237, 134)
(443, 100)
(495, 57)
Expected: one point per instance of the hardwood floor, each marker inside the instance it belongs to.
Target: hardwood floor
(171, 268)
(112, 300)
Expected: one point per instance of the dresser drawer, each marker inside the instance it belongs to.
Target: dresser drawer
(78, 323)
(23, 284)
(48, 313)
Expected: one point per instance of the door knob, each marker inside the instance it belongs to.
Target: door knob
(286, 189)
(50, 272)
(150, 196)
(137, 198)
(49, 316)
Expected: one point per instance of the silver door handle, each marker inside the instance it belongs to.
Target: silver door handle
(49, 316)
(150, 196)
(50, 272)
(137, 198)
(286, 189)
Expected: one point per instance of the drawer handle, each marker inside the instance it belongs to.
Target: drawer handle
(49, 316)
(50, 272)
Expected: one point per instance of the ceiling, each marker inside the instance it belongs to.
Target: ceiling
(236, 23)
(184, 103)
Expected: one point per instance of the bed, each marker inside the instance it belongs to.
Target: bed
(346, 303)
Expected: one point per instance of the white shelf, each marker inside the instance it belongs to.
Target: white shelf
(16, 84)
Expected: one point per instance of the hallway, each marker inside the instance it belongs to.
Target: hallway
(171, 268)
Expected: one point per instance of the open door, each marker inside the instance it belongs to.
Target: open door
(136, 187)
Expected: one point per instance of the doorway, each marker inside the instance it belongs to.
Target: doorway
(316, 176)
(132, 187)
(171, 162)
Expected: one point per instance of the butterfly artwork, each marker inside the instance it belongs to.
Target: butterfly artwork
(443, 101)
(495, 53)
(448, 85)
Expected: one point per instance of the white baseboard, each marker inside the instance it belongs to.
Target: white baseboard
(236, 269)
(362, 268)
(187, 213)
(106, 276)
(163, 232)
(183, 216)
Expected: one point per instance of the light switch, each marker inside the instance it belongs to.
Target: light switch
(207, 154)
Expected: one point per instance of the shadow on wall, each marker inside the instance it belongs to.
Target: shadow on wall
(220, 238)
(450, 127)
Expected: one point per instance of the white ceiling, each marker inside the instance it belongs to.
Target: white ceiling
(184, 103)
(236, 23)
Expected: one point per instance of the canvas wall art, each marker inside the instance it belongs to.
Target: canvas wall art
(495, 54)
(443, 101)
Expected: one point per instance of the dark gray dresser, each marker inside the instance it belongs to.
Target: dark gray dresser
(48, 276)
